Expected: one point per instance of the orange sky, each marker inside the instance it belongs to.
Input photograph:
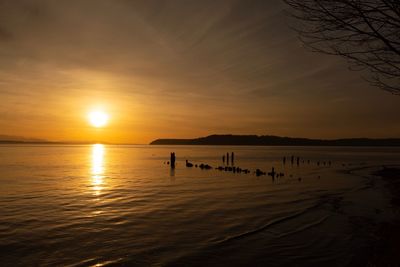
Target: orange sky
(175, 70)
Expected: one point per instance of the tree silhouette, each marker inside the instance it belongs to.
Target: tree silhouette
(365, 32)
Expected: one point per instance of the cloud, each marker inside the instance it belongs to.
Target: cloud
(218, 56)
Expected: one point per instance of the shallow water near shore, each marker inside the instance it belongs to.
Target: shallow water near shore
(82, 205)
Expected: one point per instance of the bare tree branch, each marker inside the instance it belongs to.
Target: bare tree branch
(365, 32)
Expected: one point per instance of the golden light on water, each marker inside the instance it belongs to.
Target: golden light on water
(97, 167)
(98, 118)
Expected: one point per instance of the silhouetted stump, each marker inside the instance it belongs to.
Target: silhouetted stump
(272, 173)
(173, 160)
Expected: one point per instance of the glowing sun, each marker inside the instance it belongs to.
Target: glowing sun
(98, 118)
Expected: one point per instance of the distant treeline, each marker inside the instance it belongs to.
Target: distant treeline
(269, 140)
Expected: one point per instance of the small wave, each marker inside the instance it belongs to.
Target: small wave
(306, 226)
(269, 224)
(333, 198)
(96, 262)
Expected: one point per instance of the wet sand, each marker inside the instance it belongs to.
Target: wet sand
(386, 250)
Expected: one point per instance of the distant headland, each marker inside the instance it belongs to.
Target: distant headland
(270, 140)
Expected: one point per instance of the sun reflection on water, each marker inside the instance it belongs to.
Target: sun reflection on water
(97, 168)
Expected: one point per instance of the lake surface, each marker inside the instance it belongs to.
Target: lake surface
(109, 205)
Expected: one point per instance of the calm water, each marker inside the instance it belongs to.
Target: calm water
(121, 205)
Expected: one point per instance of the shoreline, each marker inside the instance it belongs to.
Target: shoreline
(386, 249)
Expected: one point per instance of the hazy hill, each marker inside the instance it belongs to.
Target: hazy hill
(269, 140)
(10, 139)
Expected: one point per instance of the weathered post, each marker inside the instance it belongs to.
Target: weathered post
(173, 160)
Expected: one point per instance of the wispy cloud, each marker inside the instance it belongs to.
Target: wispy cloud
(181, 60)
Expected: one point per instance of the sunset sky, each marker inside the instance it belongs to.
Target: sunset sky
(175, 69)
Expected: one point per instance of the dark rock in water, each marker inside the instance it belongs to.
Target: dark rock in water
(299, 179)
(188, 164)
(196, 165)
(205, 166)
(260, 172)
(220, 168)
